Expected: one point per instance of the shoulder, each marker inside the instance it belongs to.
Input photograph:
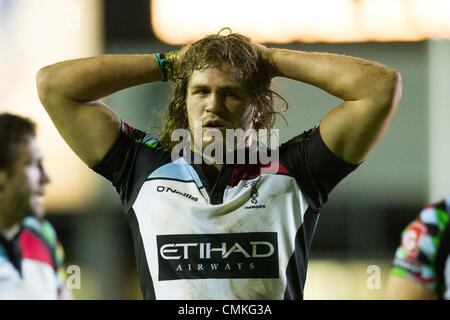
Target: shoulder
(43, 228)
(139, 136)
(39, 240)
(303, 137)
(131, 147)
(421, 240)
(432, 221)
(423, 234)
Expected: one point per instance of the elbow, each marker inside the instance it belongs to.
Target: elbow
(391, 92)
(397, 88)
(44, 84)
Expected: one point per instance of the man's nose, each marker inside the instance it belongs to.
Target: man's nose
(44, 176)
(214, 102)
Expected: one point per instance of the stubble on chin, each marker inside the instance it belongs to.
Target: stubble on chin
(37, 208)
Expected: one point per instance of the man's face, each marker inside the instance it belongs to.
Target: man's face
(218, 99)
(25, 185)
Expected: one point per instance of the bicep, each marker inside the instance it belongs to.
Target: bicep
(90, 128)
(404, 289)
(352, 129)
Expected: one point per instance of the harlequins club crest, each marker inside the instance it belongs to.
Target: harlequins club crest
(254, 196)
(254, 192)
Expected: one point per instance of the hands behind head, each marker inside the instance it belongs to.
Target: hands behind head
(176, 57)
(266, 56)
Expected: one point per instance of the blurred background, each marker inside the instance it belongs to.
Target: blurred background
(360, 226)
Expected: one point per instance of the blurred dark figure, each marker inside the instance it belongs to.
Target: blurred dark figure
(31, 257)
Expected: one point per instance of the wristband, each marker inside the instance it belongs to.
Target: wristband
(162, 65)
(165, 64)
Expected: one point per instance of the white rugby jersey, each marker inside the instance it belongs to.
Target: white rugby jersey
(245, 236)
(29, 263)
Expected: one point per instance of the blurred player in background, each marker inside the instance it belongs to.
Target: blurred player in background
(422, 262)
(31, 257)
(221, 230)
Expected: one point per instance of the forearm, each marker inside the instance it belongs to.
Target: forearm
(93, 78)
(345, 77)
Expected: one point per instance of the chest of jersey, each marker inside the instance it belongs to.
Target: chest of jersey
(37, 281)
(238, 249)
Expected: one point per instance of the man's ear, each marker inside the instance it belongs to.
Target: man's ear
(257, 115)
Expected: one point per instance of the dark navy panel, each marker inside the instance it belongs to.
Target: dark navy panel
(297, 265)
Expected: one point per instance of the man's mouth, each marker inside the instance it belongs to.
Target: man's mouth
(213, 124)
(211, 127)
(39, 196)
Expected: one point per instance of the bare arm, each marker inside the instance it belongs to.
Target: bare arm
(370, 94)
(403, 289)
(70, 91)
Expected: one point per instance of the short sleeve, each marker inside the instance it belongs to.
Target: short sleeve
(415, 259)
(316, 169)
(132, 157)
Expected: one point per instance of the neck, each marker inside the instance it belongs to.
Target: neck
(10, 232)
(211, 171)
(250, 141)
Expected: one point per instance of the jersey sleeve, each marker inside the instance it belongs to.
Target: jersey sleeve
(415, 258)
(132, 157)
(316, 169)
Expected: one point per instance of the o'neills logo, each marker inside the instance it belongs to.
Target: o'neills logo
(172, 190)
(233, 255)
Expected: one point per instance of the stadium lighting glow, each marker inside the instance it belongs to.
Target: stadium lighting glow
(33, 34)
(281, 21)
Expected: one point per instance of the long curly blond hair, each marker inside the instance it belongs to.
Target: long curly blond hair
(212, 51)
